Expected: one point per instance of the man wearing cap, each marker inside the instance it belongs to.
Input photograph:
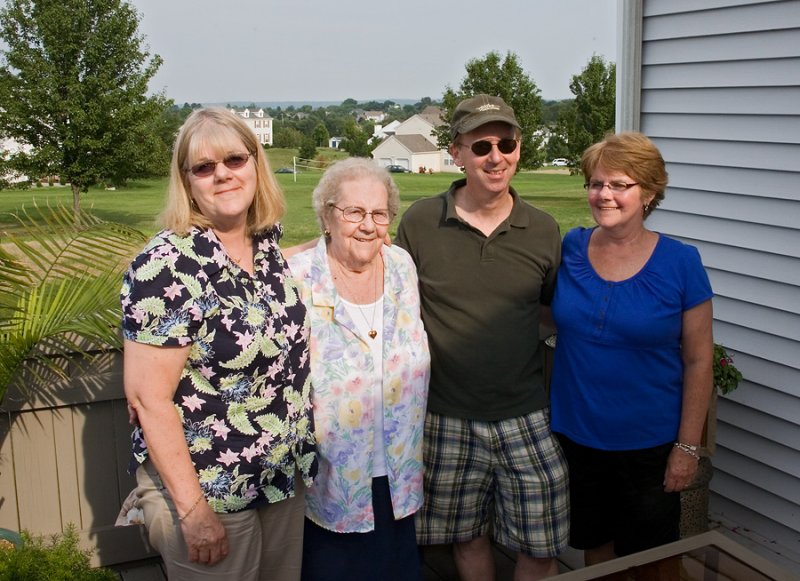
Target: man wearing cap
(486, 261)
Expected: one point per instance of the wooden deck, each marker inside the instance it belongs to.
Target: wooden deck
(438, 566)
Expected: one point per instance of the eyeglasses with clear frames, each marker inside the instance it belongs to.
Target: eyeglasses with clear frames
(356, 215)
(595, 187)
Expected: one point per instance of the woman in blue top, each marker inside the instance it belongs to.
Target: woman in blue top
(632, 373)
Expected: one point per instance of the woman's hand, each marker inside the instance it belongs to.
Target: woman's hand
(205, 536)
(681, 470)
(151, 377)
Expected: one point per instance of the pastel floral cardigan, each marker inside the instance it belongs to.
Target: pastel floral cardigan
(341, 497)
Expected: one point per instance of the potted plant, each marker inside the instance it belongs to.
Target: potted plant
(726, 376)
(59, 291)
(694, 500)
(59, 309)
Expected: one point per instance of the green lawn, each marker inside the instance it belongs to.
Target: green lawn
(139, 202)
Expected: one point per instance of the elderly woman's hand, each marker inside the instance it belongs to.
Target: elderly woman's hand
(205, 536)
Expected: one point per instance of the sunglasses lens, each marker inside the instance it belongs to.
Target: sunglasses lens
(507, 145)
(481, 148)
(204, 169)
(236, 160)
(233, 161)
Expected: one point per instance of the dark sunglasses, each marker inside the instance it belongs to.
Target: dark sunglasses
(207, 168)
(484, 147)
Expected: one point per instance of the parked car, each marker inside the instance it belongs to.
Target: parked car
(284, 170)
(560, 161)
(397, 169)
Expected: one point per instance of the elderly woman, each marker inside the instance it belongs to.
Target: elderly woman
(216, 366)
(369, 371)
(631, 376)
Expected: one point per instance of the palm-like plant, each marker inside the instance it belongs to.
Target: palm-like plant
(59, 290)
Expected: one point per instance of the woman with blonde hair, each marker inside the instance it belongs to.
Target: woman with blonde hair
(216, 366)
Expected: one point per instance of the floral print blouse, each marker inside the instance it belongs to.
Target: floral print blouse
(341, 370)
(244, 393)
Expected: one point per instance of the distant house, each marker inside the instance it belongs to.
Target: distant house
(380, 132)
(9, 147)
(335, 142)
(413, 145)
(259, 121)
(716, 85)
(374, 116)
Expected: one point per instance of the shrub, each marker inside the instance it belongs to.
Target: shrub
(56, 559)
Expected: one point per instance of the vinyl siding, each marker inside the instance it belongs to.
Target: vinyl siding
(720, 96)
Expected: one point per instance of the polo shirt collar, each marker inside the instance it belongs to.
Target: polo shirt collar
(518, 218)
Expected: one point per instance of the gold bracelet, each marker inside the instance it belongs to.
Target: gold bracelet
(194, 506)
(688, 449)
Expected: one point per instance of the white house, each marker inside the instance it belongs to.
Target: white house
(259, 121)
(381, 132)
(413, 145)
(8, 147)
(374, 116)
(716, 85)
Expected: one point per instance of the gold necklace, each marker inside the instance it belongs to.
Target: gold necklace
(238, 259)
(372, 331)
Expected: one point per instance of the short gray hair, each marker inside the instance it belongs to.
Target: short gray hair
(328, 190)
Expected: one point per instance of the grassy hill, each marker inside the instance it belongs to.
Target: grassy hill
(138, 203)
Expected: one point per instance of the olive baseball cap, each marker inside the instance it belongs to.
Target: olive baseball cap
(479, 110)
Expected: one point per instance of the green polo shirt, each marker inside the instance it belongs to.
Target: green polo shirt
(480, 305)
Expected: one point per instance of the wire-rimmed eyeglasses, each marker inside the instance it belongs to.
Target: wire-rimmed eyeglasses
(356, 215)
(614, 187)
(231, 161)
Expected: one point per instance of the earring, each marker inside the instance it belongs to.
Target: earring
(326, 233)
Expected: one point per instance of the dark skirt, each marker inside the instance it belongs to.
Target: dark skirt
(388, 553)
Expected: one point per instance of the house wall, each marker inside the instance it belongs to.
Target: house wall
(716, 85)
(259, 122)
(430, 161)
(416, 125)
(392, 152)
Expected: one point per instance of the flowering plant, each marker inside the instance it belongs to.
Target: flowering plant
(726, 376)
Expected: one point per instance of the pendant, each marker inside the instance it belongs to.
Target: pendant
(372, 334)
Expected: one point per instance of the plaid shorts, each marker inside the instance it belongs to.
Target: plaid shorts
(507, 476)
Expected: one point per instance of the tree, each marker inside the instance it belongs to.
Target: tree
(308, 149)
(591, 115)
(321, 135)
(287, 137)
(73, 83)
(504, 78)
(556, 147)
(356, 140)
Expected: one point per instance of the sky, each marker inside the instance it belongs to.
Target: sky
(320, 50)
